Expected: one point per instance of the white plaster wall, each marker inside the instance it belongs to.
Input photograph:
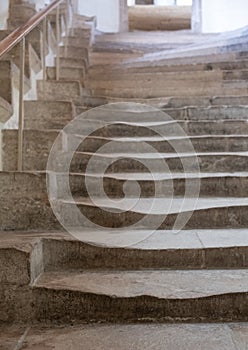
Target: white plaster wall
(184, 2)
(4, 13)
(223, 15)
(164, 2)
(130, 2)
(106, 11)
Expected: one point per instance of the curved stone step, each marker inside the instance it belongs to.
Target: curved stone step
(187, 249)
(136, 112)
(228, 65)
(165, 129)
(159, 79)
(169, 102)
(155, 213)
(141, 295)
(117, 184)
(155, 162)
(198, 89)
(213, 143)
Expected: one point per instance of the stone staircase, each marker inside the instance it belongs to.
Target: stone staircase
(198, 274)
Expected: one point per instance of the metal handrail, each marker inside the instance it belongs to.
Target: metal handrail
(18, 36)
(21, 32)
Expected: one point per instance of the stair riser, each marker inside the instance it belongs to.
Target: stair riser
(203, 163)
(177, 68)
(26, 206)
(74, 52)
(37, 160)
(66, 74)
(73, 63)
(64, 254)
(158, 78)
(238, 112)
(47, 115)
(226, 186)
(35, 153)
(58, 91)
(207, 144)
(182, 128)
(174, 102)
(77, 41)
(141, 113)
(227, 217)
(168, 91)
(63, 306)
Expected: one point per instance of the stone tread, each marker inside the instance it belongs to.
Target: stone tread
(158, 240)
(207, 336)
(162, 284)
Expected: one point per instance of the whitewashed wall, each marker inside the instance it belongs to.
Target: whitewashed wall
(223, 15)
(4, 13)
(107, 12)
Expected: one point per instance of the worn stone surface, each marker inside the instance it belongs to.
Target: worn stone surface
(10, 336)
(58, 90)
(159, 17)
(138, 337)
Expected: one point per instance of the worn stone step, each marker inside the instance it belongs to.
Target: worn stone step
(134, 112)
(37, 146)
(131, 79)
(74, 52)
(136, 162)
(159, 82)
(226, 143)
(66, 73)
(134, 295)
(187, 249)
(67, 62)
(208, 113)
(45, 115)
(163, 128)
(38, 143)
(208, 66)
(76, 41)
(235, 75)
(117, 185)
(58, 90)
(173, 336)
(101, 61)
(199, 89)
(154, 213)
(28, 190)
(31, 209)
(170, 102)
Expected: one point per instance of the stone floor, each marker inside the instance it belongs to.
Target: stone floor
(126, 337)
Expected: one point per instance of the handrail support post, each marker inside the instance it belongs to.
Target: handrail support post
(58, 41)
(21, 104)
(44, 44)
